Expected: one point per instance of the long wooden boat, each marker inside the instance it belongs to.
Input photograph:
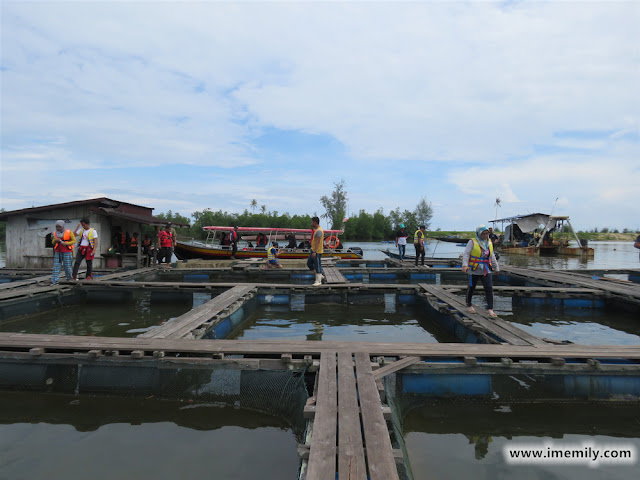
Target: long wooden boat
(214, 247)
(453, 239)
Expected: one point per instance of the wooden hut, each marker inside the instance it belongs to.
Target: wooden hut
(28, 231)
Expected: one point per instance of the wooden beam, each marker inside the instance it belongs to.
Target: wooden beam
(394, 367)
(351, 463)
(382, 465)
(322, 456)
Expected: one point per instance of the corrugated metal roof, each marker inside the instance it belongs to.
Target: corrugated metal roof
(98, 202)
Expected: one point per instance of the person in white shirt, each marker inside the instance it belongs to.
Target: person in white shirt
(86, 248)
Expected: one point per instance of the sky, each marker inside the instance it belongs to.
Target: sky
(185, 105)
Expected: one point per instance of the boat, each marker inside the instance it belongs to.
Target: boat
(213, 248)
(451, 239)
(539, 234)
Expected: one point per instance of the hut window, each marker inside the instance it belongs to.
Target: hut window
(47, 241)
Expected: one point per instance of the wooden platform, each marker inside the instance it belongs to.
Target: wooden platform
(349, 433)
(185, 324)
(628, 292)
(333, 275)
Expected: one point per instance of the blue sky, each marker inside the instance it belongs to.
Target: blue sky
(188, 105)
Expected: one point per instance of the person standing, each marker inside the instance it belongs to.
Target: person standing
(86, 248)
(165, 240)
(637, 244)
(147, 250)
(63, 241)
(233, 239)
(174, 237)
(418, 243)
(401, 241)
(479, 261)
(314, 262)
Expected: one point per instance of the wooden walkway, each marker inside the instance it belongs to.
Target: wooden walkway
(349, 432)
(495, 325)
(629, 292)
(186, 324)
(333, 275)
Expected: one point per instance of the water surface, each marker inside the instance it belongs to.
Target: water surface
(113, 319)
(64, 437)
(365, 323)
(464, 439)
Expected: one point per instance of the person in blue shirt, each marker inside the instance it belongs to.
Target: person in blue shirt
(272, 256)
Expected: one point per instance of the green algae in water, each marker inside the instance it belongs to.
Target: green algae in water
(127, 318)
(338, 322)
(465, 440)
(65, 437)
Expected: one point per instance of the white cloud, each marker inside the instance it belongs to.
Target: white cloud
(146, 84)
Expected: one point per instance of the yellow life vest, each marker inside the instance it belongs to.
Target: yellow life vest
(317, 244)
(475, 259)
(416, 239)
(271, 253)
(90, 236)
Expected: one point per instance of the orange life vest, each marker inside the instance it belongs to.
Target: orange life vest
(61, 247)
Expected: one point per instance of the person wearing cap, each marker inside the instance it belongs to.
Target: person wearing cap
(418, 243)
(272, 256)
(401, 241)
(479, 261)
(233, 238)
(63, 241)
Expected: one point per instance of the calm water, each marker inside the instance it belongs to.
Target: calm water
(115, 319)
(465, 440)
(588, 326)
(63, 437)
(607, 255)
(364, 323)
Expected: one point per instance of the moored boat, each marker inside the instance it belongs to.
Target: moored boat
(540, 234)
(293, 243)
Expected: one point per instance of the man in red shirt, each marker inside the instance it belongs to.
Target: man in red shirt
(165, 240)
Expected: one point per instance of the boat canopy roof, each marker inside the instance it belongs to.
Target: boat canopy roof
(267, 230)
(531, 221)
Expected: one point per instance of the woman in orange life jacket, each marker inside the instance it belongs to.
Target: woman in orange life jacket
(479, 261)
(62, 240)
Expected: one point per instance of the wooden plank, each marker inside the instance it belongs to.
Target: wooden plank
(351, 463)
(435, 350)
(193, 319)
(333, 275)
(380, 460)
(394, 367)
(322, 455)
(502, 329)
(30, 291)
(631, 290)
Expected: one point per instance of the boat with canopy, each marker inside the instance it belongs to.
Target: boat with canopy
(254, 241)
(540, 234)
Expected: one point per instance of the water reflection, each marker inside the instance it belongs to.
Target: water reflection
(114, 319)
(64, 437)
(465, 439)
(341, 322)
